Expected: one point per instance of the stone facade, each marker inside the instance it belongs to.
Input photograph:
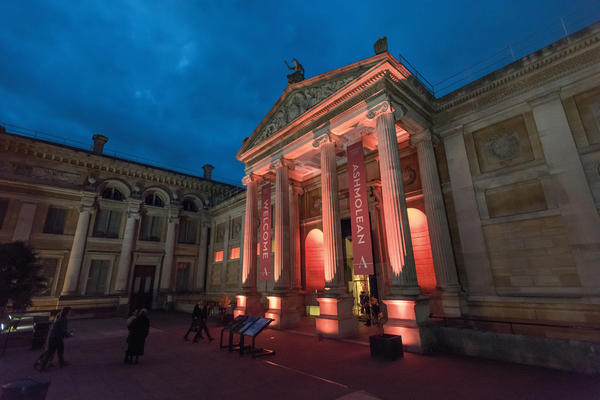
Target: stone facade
(92, 219)
(505, 174)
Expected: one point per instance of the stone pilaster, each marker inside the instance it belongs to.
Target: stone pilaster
(295, 193)
(167, 266)
(202, 257)
(248, 301)
(439, 233)
(336, 318)
(133, 214)
(78, 247)
(575, 199)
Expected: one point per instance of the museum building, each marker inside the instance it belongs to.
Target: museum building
(482, 206)
(471, 220)
(111, 234)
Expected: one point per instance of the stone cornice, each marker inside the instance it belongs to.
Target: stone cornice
(28, 147)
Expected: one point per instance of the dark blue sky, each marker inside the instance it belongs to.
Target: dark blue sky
(183, 82)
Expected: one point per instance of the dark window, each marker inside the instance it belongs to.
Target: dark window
(189, 205)
(182, 279)
(48, 267)
(108, 223)
(151, 228)
(187, 231)
(112, 194)
(55, 221)
(96, 283)
(154, 200)
(3, 208)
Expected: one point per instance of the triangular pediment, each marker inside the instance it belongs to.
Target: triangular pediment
(301, 97)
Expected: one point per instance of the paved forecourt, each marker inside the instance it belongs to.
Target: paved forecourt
(303, 367)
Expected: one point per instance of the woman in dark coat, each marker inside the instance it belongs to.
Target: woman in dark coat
(138, 331)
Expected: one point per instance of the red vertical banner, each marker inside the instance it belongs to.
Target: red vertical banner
(265, 233)
(359, 211)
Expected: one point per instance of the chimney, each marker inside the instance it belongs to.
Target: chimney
(207, 171)
(99, 141)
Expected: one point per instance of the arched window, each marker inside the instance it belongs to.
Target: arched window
(189, 205)
(154, 199)
(112, 194)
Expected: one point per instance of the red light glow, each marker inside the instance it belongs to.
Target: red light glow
(419, 233)
(315, 259)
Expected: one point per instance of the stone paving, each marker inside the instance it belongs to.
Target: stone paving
(304, 367)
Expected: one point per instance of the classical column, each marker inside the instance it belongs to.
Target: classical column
(335, 318)
(249, 259)
(404, 276)
(133, 214)
(332, 227)
(167, 267)
(284, 306)
(249, 299)
(296, 260)
(281, 267)
(202, 256)
(439, 233)
(78, 247)
(407, 311)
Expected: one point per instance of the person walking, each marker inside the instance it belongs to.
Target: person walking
(58, 333)
(138, 331)
(195, 325)
(202, 322)
(130, 321)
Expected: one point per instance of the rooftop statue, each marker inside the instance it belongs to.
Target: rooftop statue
(381, 45)
(298, 74)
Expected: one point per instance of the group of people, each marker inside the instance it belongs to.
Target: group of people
(138, 325)
(198, 325)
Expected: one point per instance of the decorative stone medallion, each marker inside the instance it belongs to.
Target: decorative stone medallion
(408, 176)
(504, 146)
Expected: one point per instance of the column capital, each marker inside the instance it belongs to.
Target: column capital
(420, 137)
(296, 188)
(173, 213)
(281, 161)
(251, 178)
(133, 208)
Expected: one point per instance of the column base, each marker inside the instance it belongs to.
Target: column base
(248, 304)
(336, 319)
(447, 303)
(406, 318)
(285, 309)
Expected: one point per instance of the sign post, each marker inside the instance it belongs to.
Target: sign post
(359, 211)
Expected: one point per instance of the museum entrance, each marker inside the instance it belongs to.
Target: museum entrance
(142, 287)
(362, 287)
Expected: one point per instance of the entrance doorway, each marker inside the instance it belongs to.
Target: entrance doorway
(362, 287)
(142, 287)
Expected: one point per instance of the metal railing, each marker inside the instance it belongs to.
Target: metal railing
(528, 44)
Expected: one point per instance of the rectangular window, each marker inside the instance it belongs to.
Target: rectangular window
(97, 278)
(187, 231)
(3, 208)
(234, 253)
(55, 221)
(183, 276)
(108, 224)
(48, 268)
(151, 228)
(219, 256)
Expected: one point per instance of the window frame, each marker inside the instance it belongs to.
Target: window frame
(64, 220)
(96, 256)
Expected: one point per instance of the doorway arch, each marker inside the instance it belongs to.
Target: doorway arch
(419, 233)
(314, 272)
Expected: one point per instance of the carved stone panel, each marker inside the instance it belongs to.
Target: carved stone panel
(519, 198)
(503, 144)
(588, 105)
(220, 233)
(235, 231)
